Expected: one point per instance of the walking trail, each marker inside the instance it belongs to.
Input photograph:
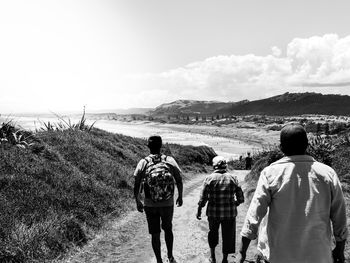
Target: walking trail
(127, 240)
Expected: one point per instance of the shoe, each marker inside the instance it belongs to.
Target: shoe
(172, 260)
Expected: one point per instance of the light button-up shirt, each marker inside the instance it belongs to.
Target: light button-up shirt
(303, 197)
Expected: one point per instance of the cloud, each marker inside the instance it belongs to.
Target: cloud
(276, 51)
(319, 61)
(341, 84)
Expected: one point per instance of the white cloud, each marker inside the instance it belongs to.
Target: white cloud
(309, 65)
(276, 51)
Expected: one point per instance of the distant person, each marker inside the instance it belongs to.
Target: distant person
(248, 162)
(158, 173)
(303, 197)
(222, 192)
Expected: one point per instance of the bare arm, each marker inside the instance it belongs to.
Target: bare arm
(179, 185)
(203, 198)
(177, 174)
(137, 185)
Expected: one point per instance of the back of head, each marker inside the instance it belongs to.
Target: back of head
(293, 140)
(219, 163)
(154, 143)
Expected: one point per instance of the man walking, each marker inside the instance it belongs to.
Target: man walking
(303, 197)
(223, 194)
(158, 172)
(248, 162)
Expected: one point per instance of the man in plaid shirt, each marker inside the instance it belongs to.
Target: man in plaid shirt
(223, 194)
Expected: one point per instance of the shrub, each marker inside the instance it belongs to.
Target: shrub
(56, 192)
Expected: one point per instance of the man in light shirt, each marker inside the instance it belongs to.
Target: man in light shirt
(303, 197)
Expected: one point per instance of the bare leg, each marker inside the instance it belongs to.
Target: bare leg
(169, 240)
(212, 254)
(156, 247)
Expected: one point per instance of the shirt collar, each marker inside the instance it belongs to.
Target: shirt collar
(296, 158)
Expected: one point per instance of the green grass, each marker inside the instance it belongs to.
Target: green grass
(57, 192)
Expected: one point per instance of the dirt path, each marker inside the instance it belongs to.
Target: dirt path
(127, 240)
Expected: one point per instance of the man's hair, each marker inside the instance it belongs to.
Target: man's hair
(154, 142)
(293, 139)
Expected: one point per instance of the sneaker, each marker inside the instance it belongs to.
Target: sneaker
(172, 260)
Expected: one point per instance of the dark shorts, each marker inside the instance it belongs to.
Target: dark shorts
(159, 216)
(228, 231)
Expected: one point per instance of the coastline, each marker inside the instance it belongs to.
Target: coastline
(257, 136)
(246, 133)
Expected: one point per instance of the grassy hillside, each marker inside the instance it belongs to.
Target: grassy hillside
(58, 186)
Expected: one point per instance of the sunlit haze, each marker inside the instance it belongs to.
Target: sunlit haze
(104, 54)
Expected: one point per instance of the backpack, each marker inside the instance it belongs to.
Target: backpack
(159, 182)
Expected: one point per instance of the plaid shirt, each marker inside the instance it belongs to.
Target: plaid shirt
(223, 193)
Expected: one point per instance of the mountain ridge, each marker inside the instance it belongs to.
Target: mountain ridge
(285, 104)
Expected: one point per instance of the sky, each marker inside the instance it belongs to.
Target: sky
(62, 55)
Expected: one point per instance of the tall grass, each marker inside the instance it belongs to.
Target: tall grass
(67, 124)
(55, 193)
(9, 133)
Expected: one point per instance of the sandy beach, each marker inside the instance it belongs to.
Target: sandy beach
(231, 140)
(254, 135)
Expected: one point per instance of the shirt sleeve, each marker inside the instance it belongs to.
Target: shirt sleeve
(139, 168)
(239, 195)
(338, 211)
(257, 209)
(238, 191)
(204, 193)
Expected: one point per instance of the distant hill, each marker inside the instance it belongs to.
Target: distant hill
(188, 107)
(294, 104)
(282, 105)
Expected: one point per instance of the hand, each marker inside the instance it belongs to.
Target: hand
(241, 257)
(179, 201)
(139, 206)
(199, 214)
(338, 255)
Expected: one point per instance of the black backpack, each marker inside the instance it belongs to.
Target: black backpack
(158, 179)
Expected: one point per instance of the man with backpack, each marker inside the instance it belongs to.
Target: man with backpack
(158, 174)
